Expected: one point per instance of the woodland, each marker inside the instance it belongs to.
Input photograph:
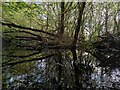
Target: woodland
(60, 45)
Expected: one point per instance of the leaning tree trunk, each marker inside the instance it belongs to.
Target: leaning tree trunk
(77, 85)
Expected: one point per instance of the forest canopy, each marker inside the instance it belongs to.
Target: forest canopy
(60, 45)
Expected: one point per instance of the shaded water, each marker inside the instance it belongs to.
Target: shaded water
(101, 78)
(106, 79)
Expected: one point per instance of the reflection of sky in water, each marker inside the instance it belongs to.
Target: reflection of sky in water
(97, 78)
(41, 65)
(106, 79)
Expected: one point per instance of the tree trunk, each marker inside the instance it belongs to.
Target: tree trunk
(60, 33)
(77, 85)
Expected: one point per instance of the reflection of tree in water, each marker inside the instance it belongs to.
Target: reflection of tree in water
(103, 74)
(108, 51)
(61, 59)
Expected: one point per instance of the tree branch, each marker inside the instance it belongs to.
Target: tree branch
(28, 38)
(30, 33)
(28, 28)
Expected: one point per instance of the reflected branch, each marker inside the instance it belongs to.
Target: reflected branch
(20, 62)
(25, 56)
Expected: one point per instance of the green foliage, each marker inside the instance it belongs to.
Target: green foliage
(21, 44)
